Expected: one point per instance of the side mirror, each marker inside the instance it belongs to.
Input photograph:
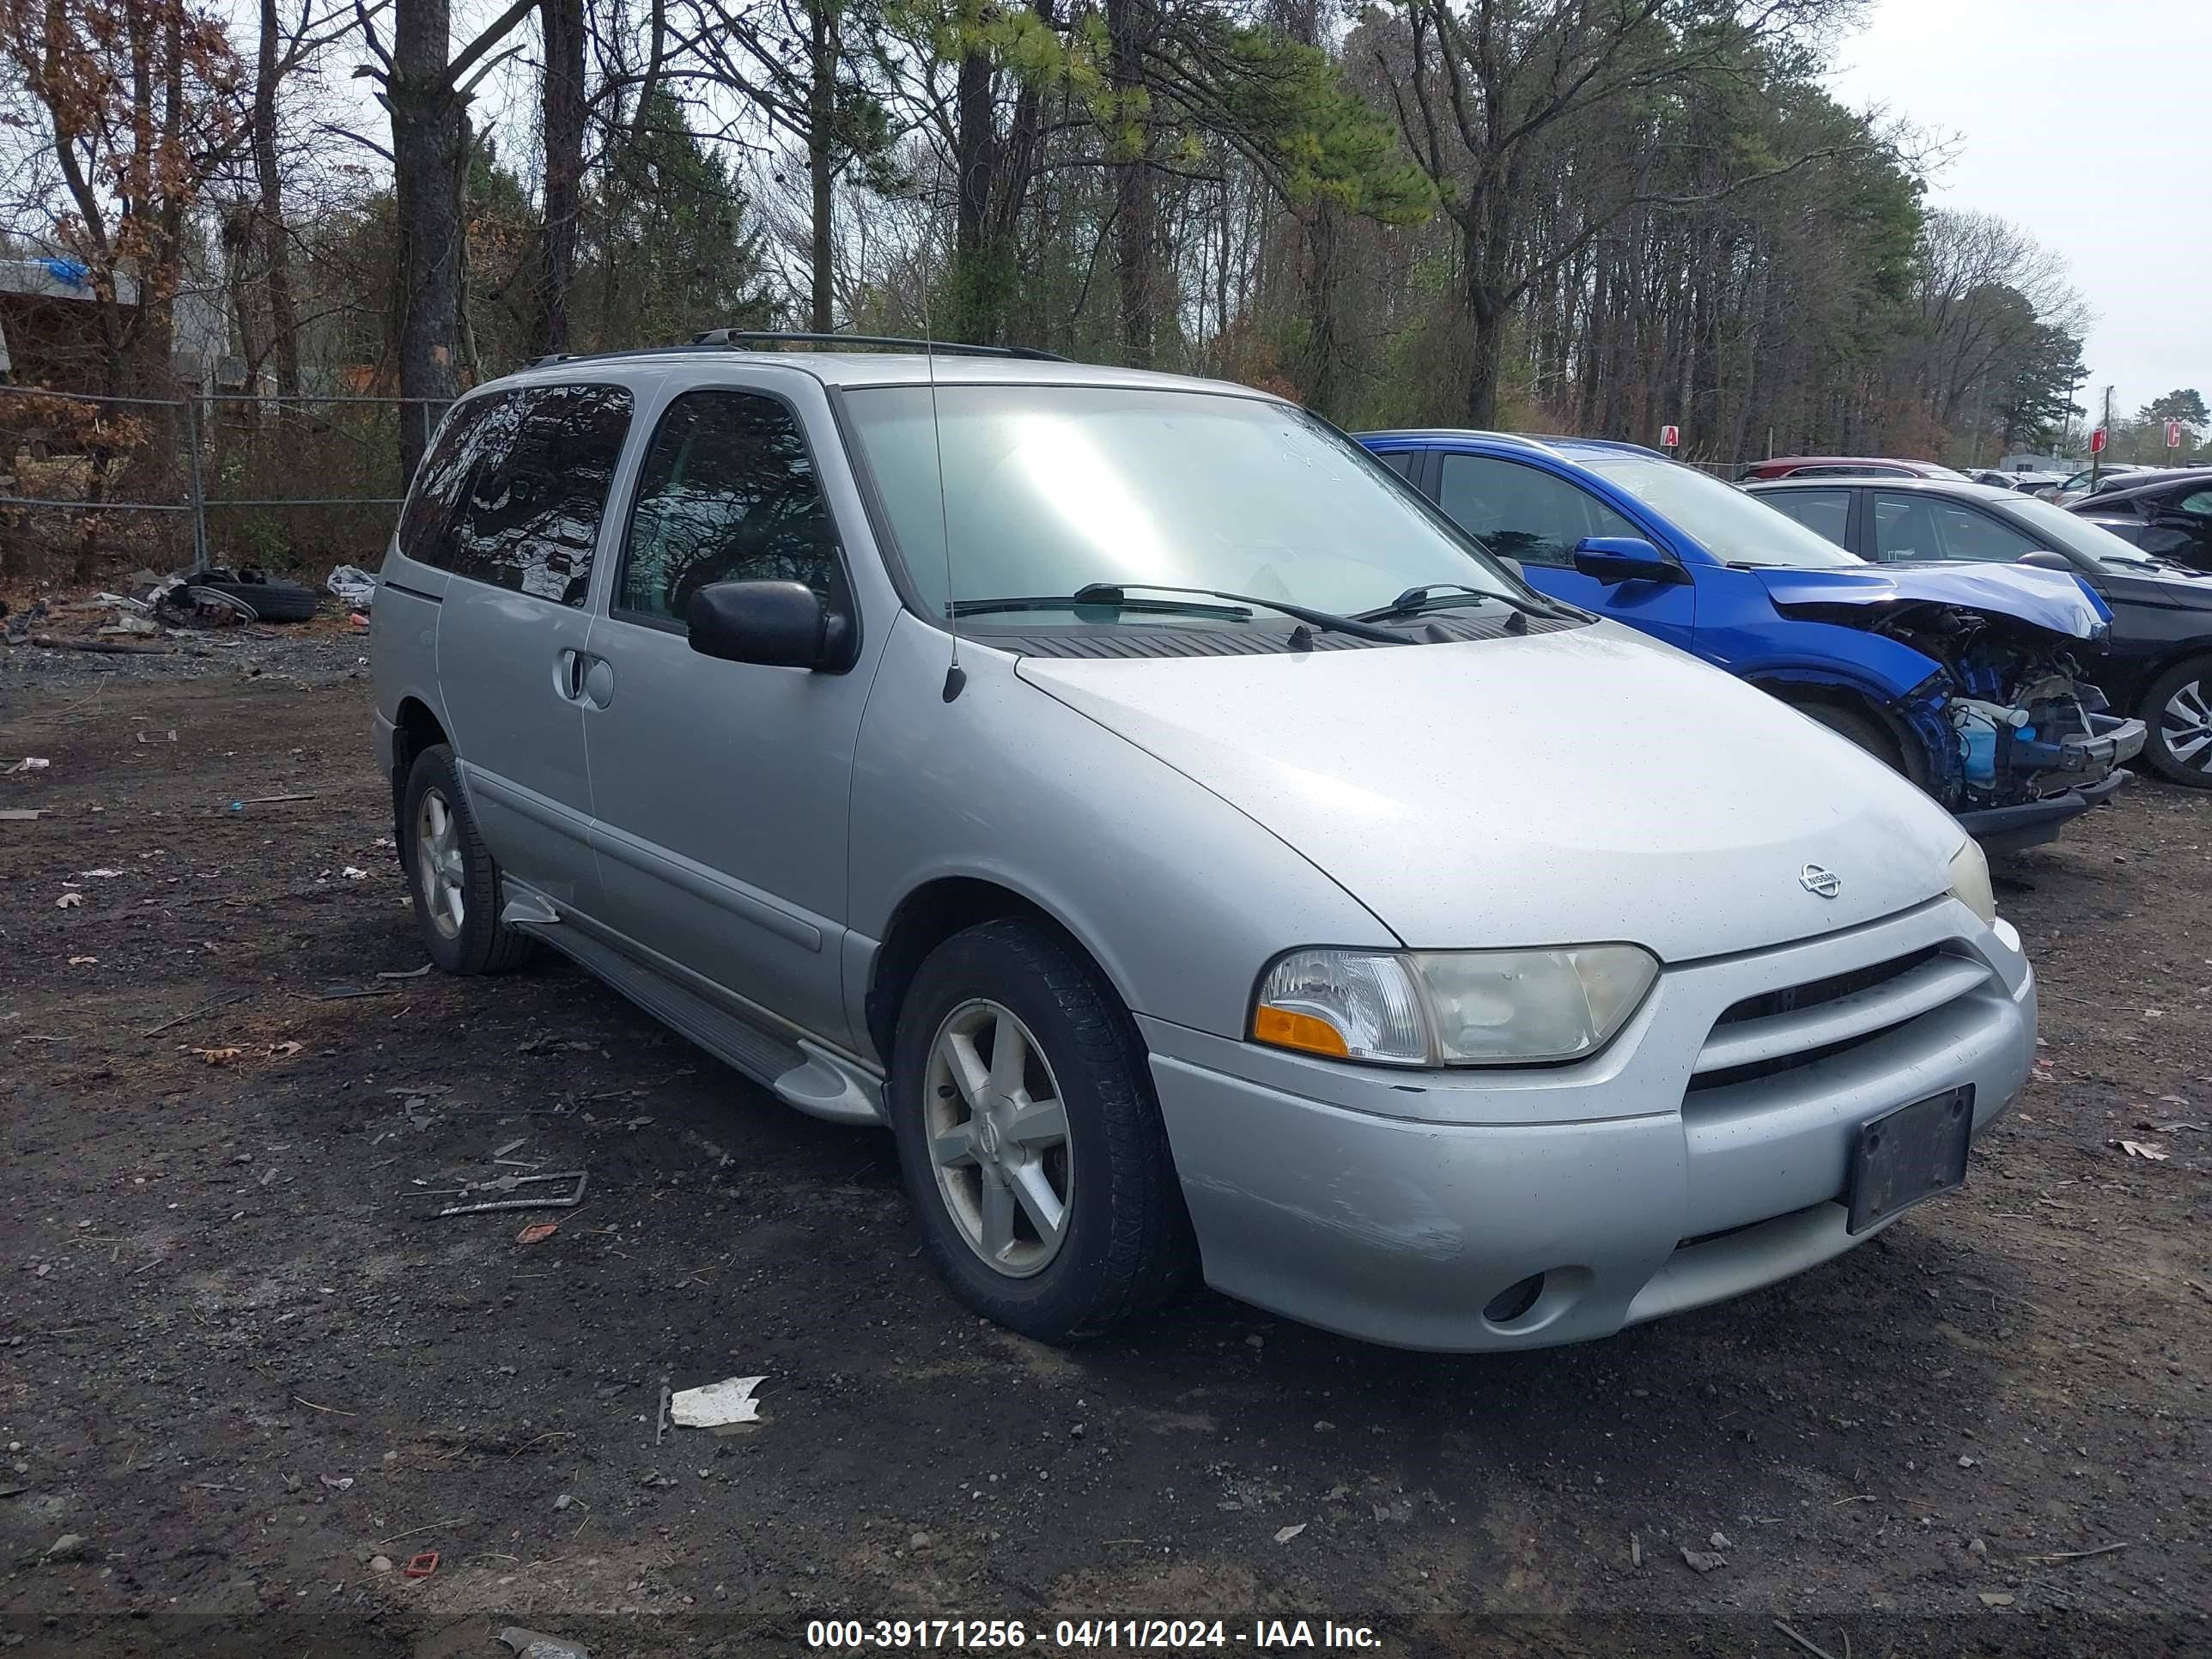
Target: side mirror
(1615, 559)
(2044, 559)
(777, 624)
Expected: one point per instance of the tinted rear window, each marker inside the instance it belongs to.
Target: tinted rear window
(513, 491)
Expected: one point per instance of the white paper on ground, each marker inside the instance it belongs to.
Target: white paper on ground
(717, 1405)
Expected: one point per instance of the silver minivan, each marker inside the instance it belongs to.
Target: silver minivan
(1201, 855)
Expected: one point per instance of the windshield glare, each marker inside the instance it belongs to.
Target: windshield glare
(2068, 533)
(1734, 527)
(1047, 489)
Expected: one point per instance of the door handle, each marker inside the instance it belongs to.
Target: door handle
(596, 688)
(568, 674)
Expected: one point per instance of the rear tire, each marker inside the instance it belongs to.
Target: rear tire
(2177, 717)
(450, 872)
(1001, 1021)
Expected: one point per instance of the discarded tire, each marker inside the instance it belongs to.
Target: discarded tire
(275, 601)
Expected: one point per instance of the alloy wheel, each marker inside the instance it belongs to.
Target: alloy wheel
(998, 1137)
(439, 872)
(2185, 723)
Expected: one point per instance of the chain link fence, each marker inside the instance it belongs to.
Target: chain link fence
(90, 486)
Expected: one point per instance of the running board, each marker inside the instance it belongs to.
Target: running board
(799, 1072)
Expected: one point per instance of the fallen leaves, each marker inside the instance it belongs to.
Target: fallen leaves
(217, 1056)
(2143, 1149)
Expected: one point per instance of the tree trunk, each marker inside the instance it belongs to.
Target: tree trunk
(821, 156)
(276, 240)
(1324, 351)
(563, 111)
(976, 287)
(428, 158)
(1135, 210)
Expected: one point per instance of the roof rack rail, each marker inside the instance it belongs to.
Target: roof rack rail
(741, 337)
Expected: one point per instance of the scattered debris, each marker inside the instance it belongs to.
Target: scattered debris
(353, 872)
(508, 1183)
(338, 1482)
(1806, 1641)
(2143, 1149)
(97, 875)
(502, 1152)
(23, 814)
(264, 801)
(1635, 1552)
(421, 1566)
(1286, 1534)
(536, 1644)
(343, 993)
(353, 587)
(69, 1546)
(80, 962)
(2177, 1128)
(204, 1008)
(412, 973)
(112, 647)
(1720, 1541)
(1702, 1560)
(2075, 1555)
(217, 1056)
(1995, 1599)
(661, 1417)
(379, 1563)
(538, 1232)
(69, 901)
(718, 1406)
(28, 763)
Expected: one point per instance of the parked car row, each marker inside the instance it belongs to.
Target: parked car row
(1967, 681)
(1206, 856)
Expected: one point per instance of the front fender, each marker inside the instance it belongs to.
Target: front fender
(1179, 897)
(1814, 653)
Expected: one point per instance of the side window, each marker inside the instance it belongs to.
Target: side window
(2197, 502)
(1400, 461)
(1825, 512)
(539, 487)
(1521, 512)
(727, 493)
(1929, 528)
(426, 523)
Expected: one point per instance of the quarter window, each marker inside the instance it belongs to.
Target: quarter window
(1823, 512)
(2199, 503)
(1929, 528)
(1521, 512)
(728, 492)
(513, 491)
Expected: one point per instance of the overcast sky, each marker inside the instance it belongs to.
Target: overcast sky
(2083, 121)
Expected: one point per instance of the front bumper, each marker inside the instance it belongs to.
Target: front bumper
(2097, 759)
(1396, 1206)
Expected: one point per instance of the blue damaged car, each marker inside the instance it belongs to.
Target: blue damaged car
(1967, 678)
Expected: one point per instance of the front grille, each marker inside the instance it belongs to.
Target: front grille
(1800, 1025)
(1815, 991)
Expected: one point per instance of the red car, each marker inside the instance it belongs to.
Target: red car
(1844, 466)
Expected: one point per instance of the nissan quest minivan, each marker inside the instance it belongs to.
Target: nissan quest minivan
(1200, 854)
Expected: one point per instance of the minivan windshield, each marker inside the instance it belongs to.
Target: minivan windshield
(1049, 489)
(1734, 527)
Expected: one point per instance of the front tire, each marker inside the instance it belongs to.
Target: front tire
(1031, 1139)
(2177, 716)
(450, 872)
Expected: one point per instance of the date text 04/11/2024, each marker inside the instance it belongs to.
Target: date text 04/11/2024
(1157, 1635)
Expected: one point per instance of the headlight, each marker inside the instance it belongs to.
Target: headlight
(1970, 882)
(1452, 1007)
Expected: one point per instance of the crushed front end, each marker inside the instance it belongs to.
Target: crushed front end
(2017, 740)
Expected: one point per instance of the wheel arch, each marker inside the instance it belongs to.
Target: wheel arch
(414, 728)
(1922, 765)
(932, 913)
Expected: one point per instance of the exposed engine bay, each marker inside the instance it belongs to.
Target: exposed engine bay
(2007, 707)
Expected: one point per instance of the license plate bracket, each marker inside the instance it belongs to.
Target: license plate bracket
(1910, 1154)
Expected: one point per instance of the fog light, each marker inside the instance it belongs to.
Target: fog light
(1510, 1304)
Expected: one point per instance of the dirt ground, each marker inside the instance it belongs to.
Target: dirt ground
(241, 1371)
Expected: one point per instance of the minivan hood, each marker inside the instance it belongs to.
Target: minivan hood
(1553, 789)
(2052, 599)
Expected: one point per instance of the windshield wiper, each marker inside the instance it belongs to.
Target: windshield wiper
(1093, 597)
(1329, 620)
(1415, 600)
